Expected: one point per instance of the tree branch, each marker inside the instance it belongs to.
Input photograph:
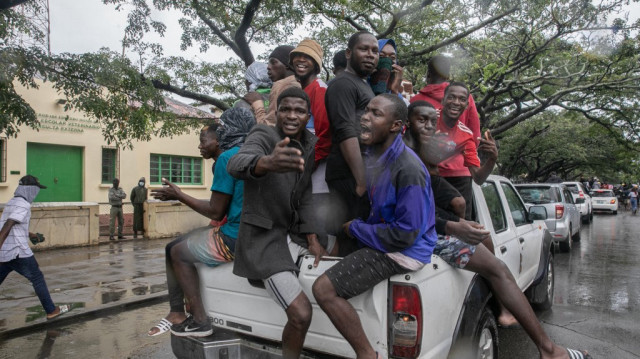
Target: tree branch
(189, 94)
(240, 35)
(461, 35)
(203, 16)
(400, 14)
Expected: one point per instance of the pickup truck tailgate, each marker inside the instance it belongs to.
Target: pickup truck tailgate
(235, 304)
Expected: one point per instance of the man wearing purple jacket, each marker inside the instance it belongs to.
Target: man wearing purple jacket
(399, 235)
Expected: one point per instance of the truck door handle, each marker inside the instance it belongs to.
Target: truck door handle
(503, 249)
(521, 240)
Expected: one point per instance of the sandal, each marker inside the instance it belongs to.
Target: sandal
(61, 310)
(163, 327)
(576, 354)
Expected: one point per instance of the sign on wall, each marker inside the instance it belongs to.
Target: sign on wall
(62, 123)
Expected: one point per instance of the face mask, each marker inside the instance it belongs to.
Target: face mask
(141, 184)
(29, 193)
(380, 78)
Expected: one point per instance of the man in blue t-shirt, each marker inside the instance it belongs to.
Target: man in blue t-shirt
(212, 245)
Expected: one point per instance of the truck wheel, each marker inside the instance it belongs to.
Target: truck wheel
(615, 212)
(549, 284)
(486, 336)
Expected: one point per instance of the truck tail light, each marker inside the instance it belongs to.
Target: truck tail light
(613, 201)
(559, 211)
(581, 194)
(406, 321)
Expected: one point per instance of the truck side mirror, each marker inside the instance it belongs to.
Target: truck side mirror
(537, 213)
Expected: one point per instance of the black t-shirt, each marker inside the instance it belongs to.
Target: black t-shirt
(346, 99)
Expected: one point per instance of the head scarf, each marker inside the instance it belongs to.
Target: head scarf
(236, 124)
(383, 42)
(29, 193)
(257, 76)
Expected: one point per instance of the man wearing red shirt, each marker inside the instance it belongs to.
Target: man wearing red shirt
(306, 62)
(465, 165)
(438, 72)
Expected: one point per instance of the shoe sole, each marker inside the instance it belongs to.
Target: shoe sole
(193, 334)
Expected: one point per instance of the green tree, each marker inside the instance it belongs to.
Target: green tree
(520, 61)
(566, 143)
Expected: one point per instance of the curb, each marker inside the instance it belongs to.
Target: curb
(73, 316)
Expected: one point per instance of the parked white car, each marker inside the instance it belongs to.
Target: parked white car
(604, 200)
(437, 312)
(586, 208)
(563, 218)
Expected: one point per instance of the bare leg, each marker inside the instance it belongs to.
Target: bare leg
(505, 318)
(294, 332)
(343, 316)
(507, 291)
(187, 276)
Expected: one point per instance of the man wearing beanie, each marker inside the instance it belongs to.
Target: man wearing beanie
(306, 62)
(282, 77)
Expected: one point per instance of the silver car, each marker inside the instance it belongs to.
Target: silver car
(578, 191)
(563, 217)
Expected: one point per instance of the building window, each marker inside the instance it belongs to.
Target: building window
(109, 164)
(176, 169)
(3, 160)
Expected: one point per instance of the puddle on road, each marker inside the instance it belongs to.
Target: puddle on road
(116, 336)
(37, 312)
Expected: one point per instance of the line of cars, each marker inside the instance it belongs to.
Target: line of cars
(569, 205)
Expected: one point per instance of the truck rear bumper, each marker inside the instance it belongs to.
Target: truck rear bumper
(225, 344)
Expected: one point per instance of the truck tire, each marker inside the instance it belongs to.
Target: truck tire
(548, 285)
(486, 336)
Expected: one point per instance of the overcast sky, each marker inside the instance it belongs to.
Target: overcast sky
(87, 25)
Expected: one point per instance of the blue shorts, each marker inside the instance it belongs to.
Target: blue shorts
(454, 251)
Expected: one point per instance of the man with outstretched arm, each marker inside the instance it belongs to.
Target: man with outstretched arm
(277, 223)
(212, 245)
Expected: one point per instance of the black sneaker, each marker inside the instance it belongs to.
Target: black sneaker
(189, 328)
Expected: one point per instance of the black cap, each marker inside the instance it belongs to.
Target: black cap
(29, 180)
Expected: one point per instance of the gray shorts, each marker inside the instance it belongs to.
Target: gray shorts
(283, 287)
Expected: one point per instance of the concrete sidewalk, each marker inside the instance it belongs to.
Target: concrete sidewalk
(94, 280)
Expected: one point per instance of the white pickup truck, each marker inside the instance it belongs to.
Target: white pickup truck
(437, 312)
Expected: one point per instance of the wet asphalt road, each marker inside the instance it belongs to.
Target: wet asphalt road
(596, 307)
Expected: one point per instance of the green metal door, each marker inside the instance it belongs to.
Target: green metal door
(57, 167)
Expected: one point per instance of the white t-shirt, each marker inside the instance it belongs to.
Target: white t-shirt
(17, 242)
